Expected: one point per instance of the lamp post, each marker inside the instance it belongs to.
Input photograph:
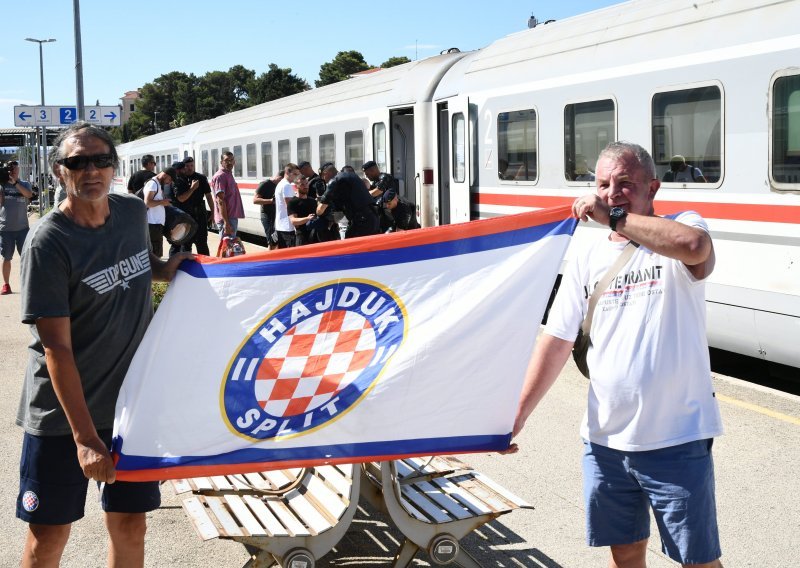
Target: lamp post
(44, 195)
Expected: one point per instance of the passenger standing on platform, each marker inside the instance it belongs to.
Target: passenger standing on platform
(284, 192)
(652, 414)
(302, 209)
(155, 201)
(136, 181)
(265, 197)
(348, 192)
(14, 196)
(227, 199)
(189, 194)
(179, 183)
(86, 295)
(379, 181)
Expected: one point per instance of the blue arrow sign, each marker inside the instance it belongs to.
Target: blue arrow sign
(24, 115)
(110, 115)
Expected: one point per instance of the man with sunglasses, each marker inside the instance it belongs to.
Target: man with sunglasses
(86, 295)
(13, 220)
(227, 199)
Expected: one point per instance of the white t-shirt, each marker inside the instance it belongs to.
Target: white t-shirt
(651, 378)
(283, 190)
(155, 215)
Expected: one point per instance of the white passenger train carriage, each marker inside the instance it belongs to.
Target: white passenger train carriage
(513, 126)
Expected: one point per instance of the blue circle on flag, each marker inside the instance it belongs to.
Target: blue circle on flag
(312, 359)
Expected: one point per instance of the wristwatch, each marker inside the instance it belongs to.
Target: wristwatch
(614, 216)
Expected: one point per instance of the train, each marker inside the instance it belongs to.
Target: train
(518, 125)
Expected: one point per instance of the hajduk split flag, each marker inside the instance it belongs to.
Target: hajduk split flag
(390, 346)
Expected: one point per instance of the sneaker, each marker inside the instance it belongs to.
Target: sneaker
(5, 290)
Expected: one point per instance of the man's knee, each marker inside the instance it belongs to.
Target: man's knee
(45, 544)
(128, 528)
(629, 555)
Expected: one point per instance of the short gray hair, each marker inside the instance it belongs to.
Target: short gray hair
(620, 148)
(82, 129)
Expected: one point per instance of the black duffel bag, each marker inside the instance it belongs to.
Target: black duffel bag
(179, 226)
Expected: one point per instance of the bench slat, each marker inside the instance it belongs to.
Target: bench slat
(221, 483)
(341, 481)
(326, 500)
(518, 501)
(265, 516)
(239, 482)
(277, 478)
(422, 502)
(287, 518)
(229, 526)
(256, 481)
(201, 484)
(442, 499)
(181, 486)
(306, 511)
(491, 498)
(464, 497)
(201, 522)
(244, 516)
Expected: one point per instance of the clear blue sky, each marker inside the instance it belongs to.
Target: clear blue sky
(127, 44)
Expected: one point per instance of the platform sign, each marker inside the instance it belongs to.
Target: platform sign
(103, 115)
(65, 115)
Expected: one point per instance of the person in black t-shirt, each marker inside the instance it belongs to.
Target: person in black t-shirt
(137, 180)
(397, 214)
(349, 194)
(265, 197)
(302, 209)
(190, 189)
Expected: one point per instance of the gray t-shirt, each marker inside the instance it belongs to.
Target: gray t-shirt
(99, 278)
(14, 212)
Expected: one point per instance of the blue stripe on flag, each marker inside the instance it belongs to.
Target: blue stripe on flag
(425, 446)
(383, 257)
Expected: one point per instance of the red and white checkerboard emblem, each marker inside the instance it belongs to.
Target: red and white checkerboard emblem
(30, 501)
(312, 359)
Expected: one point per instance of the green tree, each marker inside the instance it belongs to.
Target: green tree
(158, 100)
(394, 61)
(277, 83)
(341, 67)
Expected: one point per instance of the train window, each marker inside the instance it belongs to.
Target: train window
(204, 161)
(516, 145)
(174, 158)
(588, 127)
(354, 148)
(327, 149)
(284, 153)
(785, 143)
(379, 145)
(266, 159)
(237, 167)
(250, 156)
(304, 150)
(458, 141)
(214, 161)
(687, 135)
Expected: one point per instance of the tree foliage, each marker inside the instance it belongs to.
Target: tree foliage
(345, 63)
(395, 61)
(176, 99)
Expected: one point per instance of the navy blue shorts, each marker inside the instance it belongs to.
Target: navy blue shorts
(10, 240)
(677, 483)
(52, 487)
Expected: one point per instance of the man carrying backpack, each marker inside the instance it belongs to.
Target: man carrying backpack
(681, 172)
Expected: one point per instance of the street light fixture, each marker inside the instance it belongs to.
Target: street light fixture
(43, 191)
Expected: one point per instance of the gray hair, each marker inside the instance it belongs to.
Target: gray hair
(82, 129)
(618, 149)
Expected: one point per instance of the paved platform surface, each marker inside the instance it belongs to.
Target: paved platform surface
(758, 486)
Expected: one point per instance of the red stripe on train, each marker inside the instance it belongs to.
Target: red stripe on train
(732, 211)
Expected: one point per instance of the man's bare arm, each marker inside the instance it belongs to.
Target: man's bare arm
(93, 456)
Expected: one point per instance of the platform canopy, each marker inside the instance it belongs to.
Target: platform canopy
(13, 137)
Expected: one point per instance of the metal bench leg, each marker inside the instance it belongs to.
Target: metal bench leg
(406, 554)
(466, 560)
(259, 558)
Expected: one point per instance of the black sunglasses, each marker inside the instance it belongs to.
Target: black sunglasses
(80, 162)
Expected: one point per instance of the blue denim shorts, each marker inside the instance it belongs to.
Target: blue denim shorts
(9, 240)
(52, 487)
(677, 483)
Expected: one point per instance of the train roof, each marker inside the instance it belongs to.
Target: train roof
(397, 86)
(638, 32)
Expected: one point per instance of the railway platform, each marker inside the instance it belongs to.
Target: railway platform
(758, 487)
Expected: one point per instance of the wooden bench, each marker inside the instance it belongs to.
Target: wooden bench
(286, 517)
(435, 502)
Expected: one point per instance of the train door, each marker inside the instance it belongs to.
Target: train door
(379, 149)
(456, 131)
(403, 166)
